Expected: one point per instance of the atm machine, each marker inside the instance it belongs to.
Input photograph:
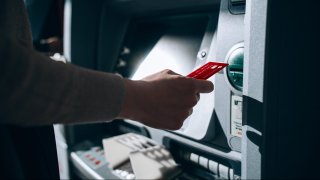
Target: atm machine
(134, 38)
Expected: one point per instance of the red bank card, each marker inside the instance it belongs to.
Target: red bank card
(207, 70)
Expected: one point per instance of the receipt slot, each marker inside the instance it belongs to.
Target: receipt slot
(234, 71)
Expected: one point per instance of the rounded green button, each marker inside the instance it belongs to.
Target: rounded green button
(235, 68)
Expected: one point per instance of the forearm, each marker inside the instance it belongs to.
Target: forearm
(38, 91)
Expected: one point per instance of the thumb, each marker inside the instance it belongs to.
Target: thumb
(203, 86)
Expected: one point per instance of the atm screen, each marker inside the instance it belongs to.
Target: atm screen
(173, 51)
(163, 43)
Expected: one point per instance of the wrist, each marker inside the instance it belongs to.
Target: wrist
(128, 100)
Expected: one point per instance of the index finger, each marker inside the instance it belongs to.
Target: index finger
(203, 86)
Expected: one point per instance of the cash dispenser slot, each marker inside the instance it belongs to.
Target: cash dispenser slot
(237, 6)
(238, 2)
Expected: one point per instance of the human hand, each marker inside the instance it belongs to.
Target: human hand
(162, 100)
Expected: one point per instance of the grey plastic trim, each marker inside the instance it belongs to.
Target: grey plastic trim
(254, 58)
(229, 33)
(67, 29)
